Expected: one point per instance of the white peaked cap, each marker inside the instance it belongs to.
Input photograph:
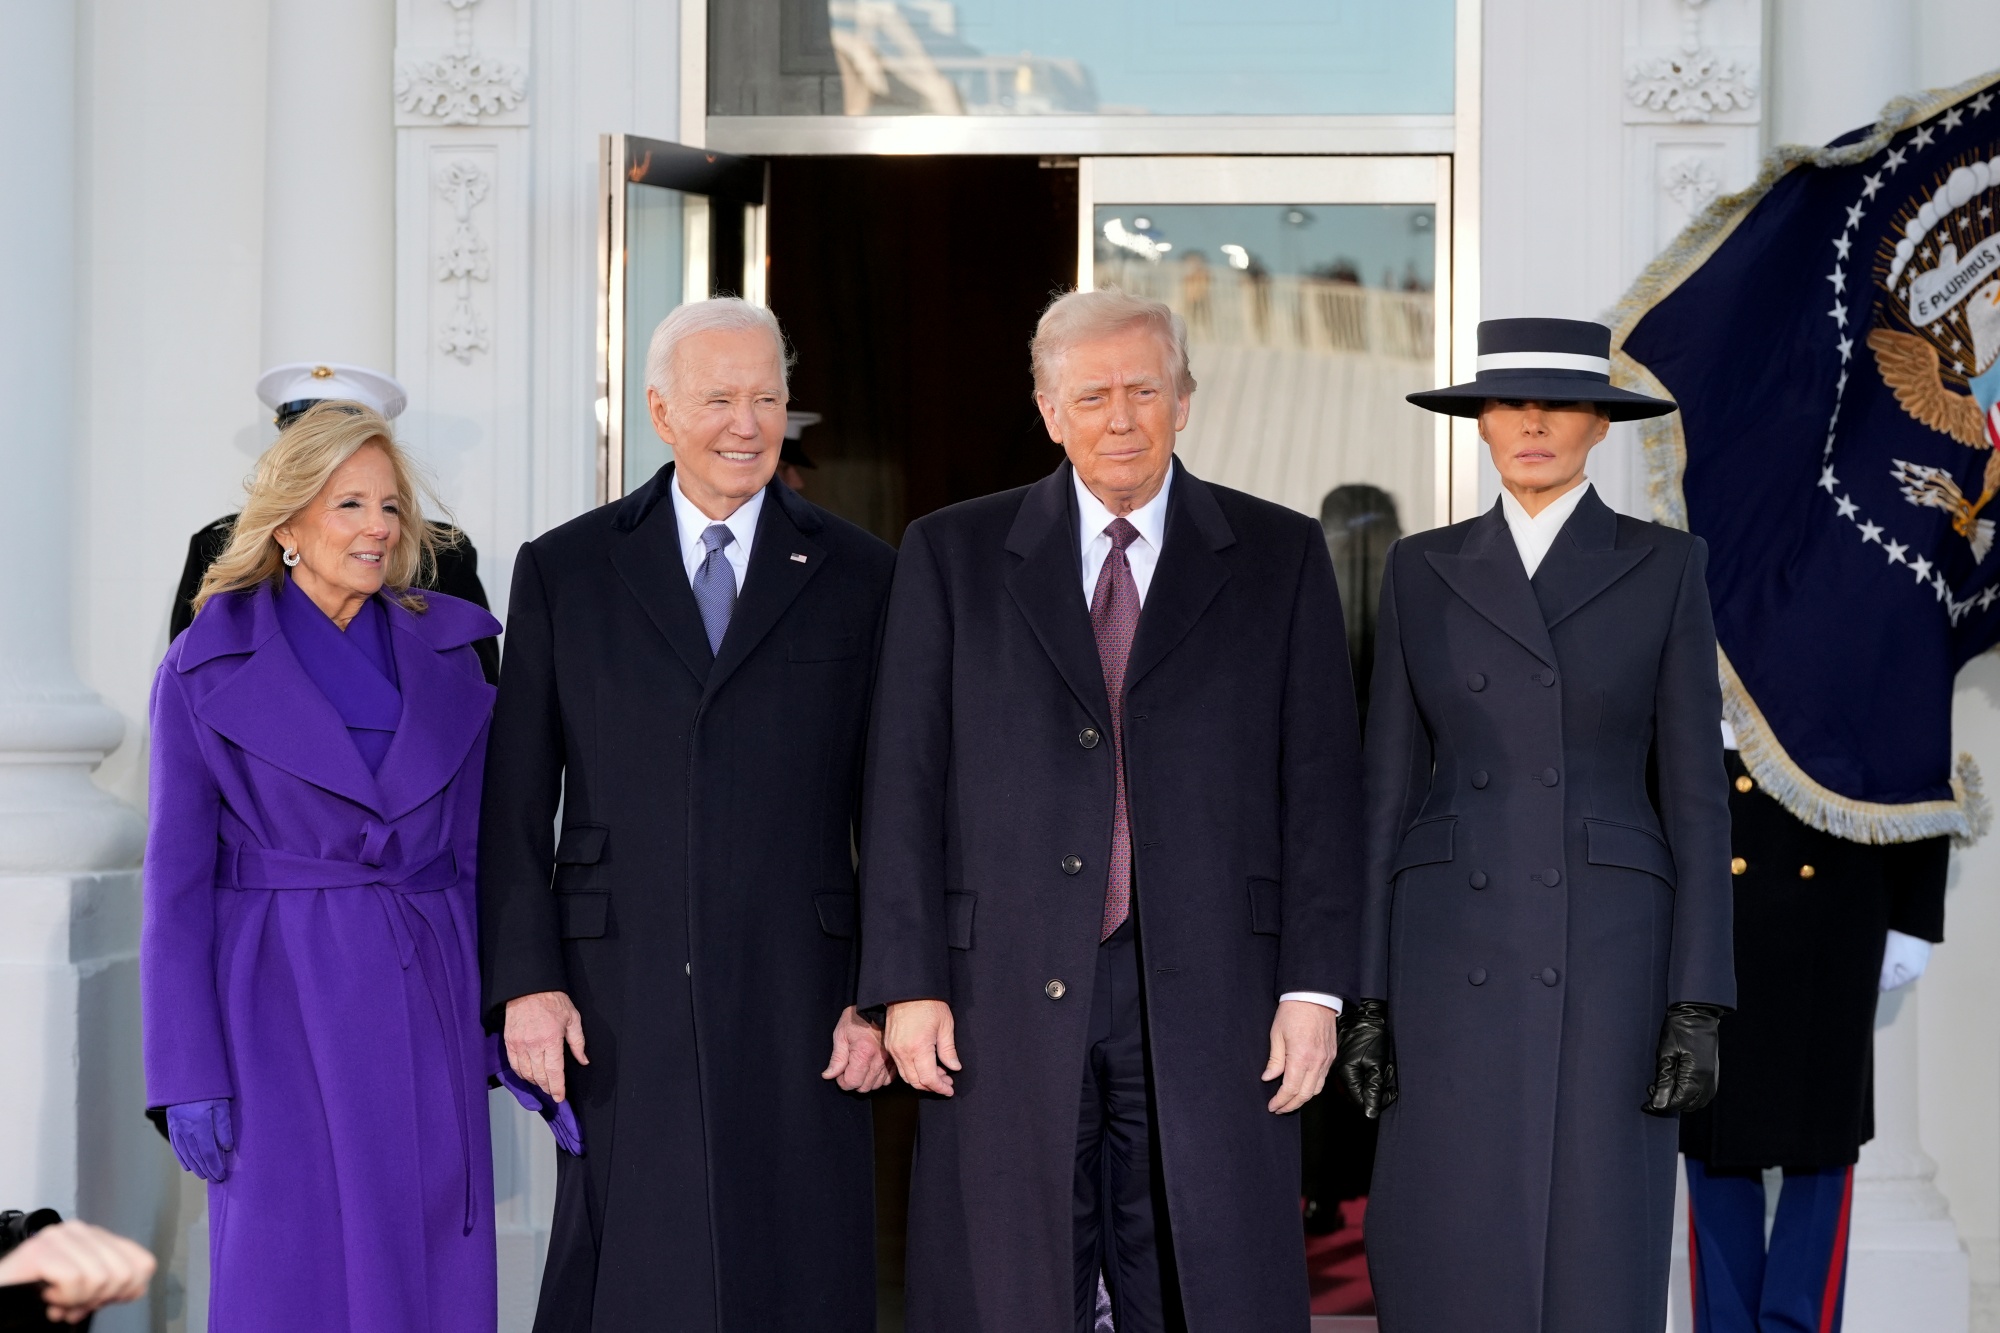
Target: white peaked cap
(330, 379)
(796, 423)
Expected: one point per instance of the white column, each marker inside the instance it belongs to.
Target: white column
(330, 184)
(1837, 63)
(70, 1132)
(1907, 1272)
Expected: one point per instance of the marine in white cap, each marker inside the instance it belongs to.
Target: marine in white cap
(290, 389)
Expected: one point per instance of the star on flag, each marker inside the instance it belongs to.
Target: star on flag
(1923, 137)
(1871, 185)
(1897, 157)
(1953, 119)
(1895, 550)
(1981, 102)
(1827, 481)
(1847, 507)
(1871, 532)
(1841, 245)
(1846, 347)
(1922, 568)
(1854, 216)
(1839, 280)
(1839, 314)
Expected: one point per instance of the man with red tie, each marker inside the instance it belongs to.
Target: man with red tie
(1113, 776)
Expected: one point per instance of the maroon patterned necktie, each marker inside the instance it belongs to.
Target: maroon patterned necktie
(1114, 616)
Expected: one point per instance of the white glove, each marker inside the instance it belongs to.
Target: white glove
(1904, 958)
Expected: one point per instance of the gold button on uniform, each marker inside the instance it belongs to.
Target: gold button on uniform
(1055, 990)
(1806, 872)
(1744, 784)
(1737, 865)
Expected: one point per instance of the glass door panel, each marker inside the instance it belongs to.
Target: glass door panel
(1311, 290)
(679, 224)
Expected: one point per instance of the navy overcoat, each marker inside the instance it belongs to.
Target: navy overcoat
(1548, 868)
(986, 838)
(699, 908)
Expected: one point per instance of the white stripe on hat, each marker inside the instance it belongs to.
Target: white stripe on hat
(1542, 361)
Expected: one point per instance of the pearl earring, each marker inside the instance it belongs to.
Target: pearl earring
(291, 557)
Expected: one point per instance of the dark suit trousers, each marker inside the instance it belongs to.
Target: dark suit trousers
(1121, 1212)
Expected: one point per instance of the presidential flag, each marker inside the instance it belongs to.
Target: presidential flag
(1832, 335)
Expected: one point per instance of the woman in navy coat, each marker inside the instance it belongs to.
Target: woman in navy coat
(1546, 915)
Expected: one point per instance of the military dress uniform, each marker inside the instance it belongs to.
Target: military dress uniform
(1811, 914)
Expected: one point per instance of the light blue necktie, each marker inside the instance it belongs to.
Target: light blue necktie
(715, 584)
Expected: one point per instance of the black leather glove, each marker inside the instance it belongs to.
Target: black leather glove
(1366, 1061)
(1688, 1062)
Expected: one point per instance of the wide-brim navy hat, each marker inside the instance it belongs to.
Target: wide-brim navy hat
(1547, 361)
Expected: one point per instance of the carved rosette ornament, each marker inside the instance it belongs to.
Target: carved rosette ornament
(462, 86)
(1694, 84)
(463, 184)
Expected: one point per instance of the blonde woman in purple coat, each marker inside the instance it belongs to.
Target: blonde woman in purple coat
(312, 1033)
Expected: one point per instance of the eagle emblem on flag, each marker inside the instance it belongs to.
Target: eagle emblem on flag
(1832, 335)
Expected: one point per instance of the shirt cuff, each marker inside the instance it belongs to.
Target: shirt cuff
(1312, 997)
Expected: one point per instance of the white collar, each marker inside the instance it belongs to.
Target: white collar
(1149, 518)
(1553, 515)
(691, 522)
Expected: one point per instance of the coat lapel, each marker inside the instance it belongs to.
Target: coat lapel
(445, 706)
(1583, 561)
(1047, 585)
(775, 578)
(1188, 577)
(648, 558)
(269, 706)
(1487, 573)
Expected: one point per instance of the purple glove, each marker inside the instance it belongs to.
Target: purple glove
(201, 1134)
(561, 1118)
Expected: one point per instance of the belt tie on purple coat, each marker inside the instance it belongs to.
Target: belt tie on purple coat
(244, 866)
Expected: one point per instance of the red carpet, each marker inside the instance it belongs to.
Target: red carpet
(1338, 1266)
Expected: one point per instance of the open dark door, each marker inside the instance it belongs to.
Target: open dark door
(677, 224)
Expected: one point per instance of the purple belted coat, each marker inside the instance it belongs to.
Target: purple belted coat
(309, 953)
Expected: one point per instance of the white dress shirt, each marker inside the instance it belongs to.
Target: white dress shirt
(1143, 555)
(1534, 536)
(691, 523)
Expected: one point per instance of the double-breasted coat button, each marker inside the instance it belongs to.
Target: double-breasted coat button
(1807, 872)
(1549, 777)
(1055, 990)
(1072, 864)
(1479, 778)
(1737, 865)
(1475, 682)
(1088, 738)
(1477, 976)
(1550, 877)
(1479, 879)
(1548, 976)
(1744, 784)
(1545, 677)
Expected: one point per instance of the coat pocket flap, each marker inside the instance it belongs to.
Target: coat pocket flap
(958, 919)
(1266, 907)
(1629, 846)
(581, 845)
(582, 914)
(823, 648)
(1425, 844)
(837, 912)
